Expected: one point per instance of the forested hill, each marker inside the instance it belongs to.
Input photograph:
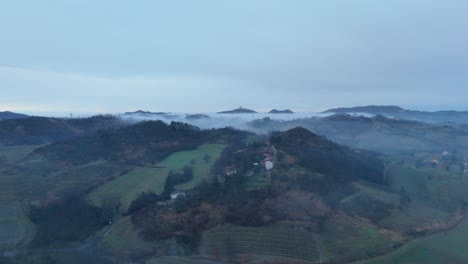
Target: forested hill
(42, 130)
(323, 156)
(144, 143)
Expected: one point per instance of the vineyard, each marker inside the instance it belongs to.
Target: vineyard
(281, 242)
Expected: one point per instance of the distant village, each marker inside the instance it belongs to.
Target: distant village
(447, 159)
(265, 164)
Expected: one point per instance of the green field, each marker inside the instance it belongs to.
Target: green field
(447, 247)
(15, 153)
(123, 240)
(15, 227)
(129, 186)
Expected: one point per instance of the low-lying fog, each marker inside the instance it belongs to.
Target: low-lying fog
(215, 120)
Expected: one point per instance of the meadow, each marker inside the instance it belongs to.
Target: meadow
(128, 187)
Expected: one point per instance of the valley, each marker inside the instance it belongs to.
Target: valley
(178, 193)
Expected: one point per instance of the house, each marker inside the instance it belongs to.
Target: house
(434, 163)
(445, 153)
(230, 170)
(269, 164)
(465, 167)
(177, 194)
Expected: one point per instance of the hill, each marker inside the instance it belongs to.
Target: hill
(286, 111)
(400, 113)
(370, 109)
(11, 115)
(381, 134)
(141, 112)
(144, 143)
(239, 110)
(320, 155)
(41, 130)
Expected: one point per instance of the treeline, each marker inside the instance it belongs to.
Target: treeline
(70, 219)
(41, 130)
(144, 143)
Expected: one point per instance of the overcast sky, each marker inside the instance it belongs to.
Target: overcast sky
(200, 55)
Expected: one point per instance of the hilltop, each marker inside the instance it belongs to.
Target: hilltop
(240, 110)
(11, 115)
(141, 112)
(323, 156)
(286, 111)
(370, 109)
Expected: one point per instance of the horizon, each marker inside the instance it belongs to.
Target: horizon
(258, 111)
(111, 56)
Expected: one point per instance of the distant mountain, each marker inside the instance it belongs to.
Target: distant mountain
(42, 130)
(141, 112)
(378, 133)
(239, 110)
(286, 111)
(11, 115)
(196, 116)
(400, 113)
(370, 109)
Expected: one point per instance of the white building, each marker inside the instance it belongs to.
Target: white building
(269, 165)
(177, 195)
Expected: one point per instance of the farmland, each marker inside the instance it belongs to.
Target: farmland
(446, 247)
(151, 179)
(269, 241)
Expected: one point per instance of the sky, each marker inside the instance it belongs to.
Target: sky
(111, 56)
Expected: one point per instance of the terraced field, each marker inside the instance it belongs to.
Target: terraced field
(280, 242)
(178, 260)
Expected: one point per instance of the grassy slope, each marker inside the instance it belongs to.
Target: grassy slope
(448, 247)
(15, 227)
(129, 186)
(123, 240)
(15, 153)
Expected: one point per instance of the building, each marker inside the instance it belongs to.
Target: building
(434, 163)
(230, 170)
(269, 164)
(177, 194)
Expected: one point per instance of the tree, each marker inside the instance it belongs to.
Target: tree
(145, 199)
(168, 186)
(206, 158)
(405, 198)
